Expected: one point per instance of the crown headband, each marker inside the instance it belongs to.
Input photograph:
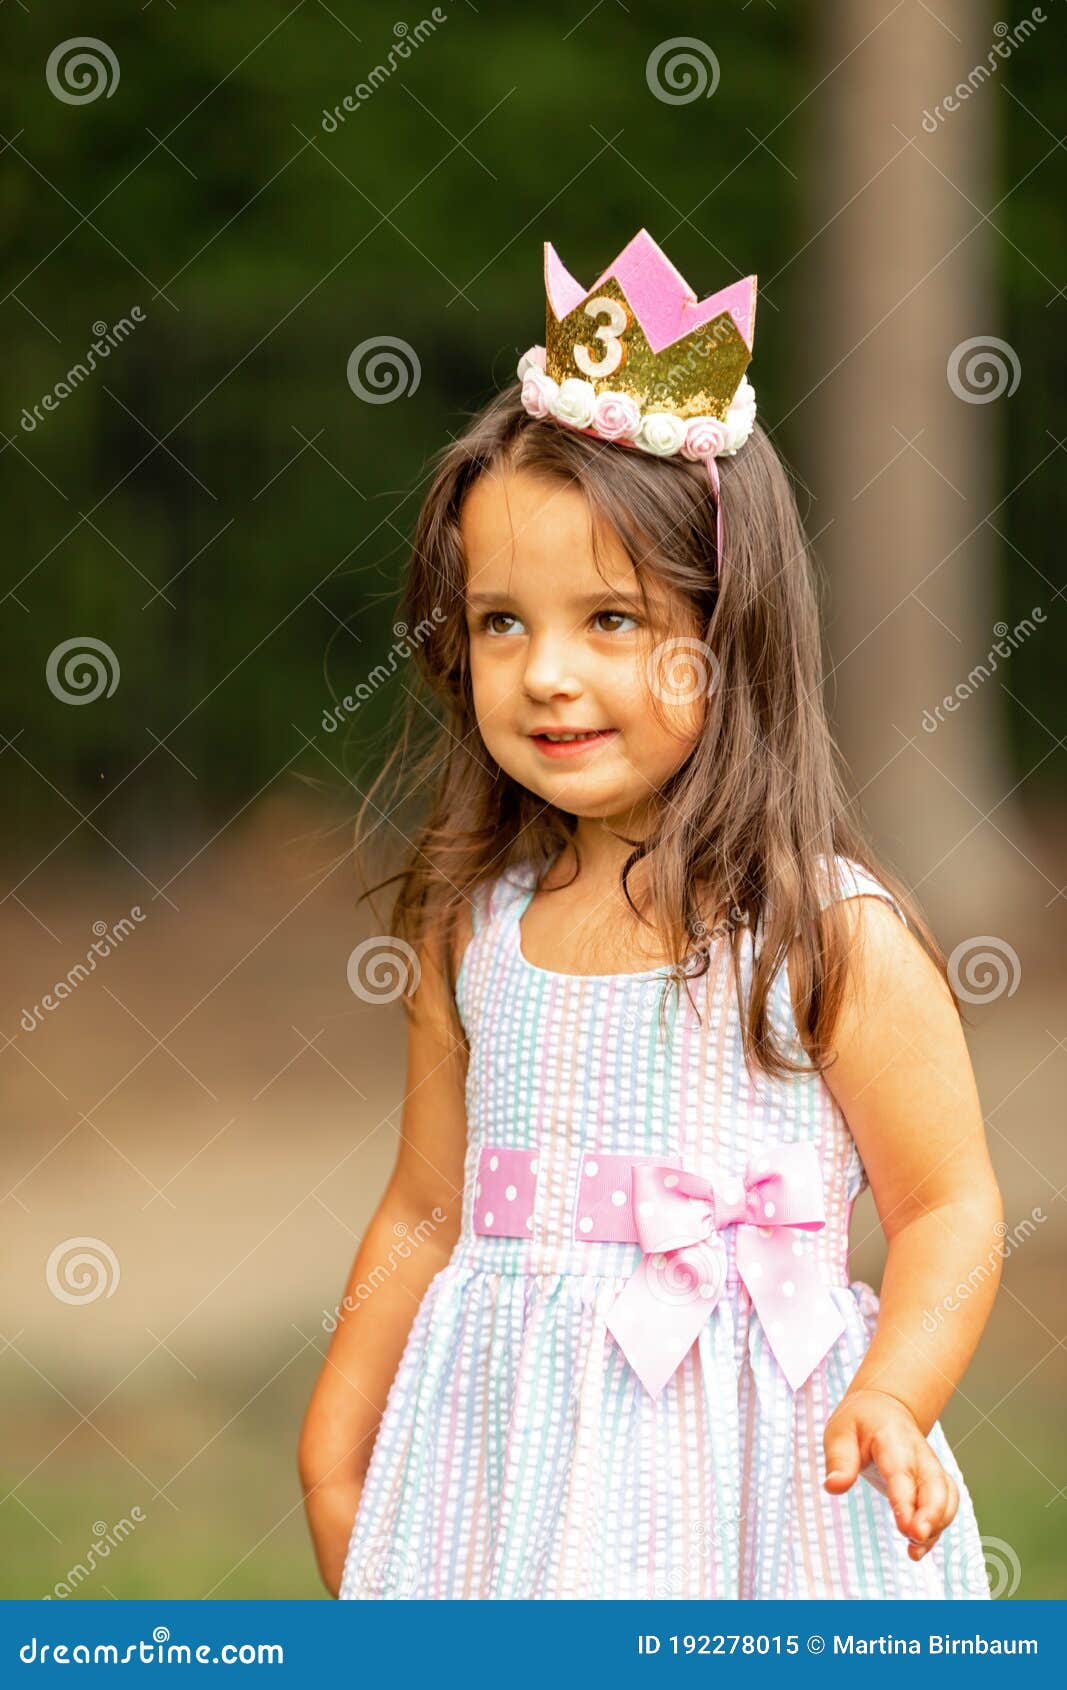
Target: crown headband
(639, 360)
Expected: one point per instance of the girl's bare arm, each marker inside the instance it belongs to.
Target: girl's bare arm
(422, 1207)
(904, 1080)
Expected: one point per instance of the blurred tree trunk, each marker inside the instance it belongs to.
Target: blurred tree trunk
(897, 277)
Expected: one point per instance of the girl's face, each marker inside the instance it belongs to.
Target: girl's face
(558, 645)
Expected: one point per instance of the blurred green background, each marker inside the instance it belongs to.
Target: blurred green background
(218, 506)
(262, 249)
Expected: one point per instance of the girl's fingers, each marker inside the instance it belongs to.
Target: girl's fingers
(891, 1456)
(912, 1473)
(842, 1449)
(898, 1466)
(901, 1492)
(933, 1498)
(951, 1507)
(924, 1498)
(917, 1550)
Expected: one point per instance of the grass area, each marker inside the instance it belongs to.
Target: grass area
(234, 1523)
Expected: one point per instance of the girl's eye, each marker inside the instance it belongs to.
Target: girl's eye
(492, 617)
(615, 615)
(495, 616)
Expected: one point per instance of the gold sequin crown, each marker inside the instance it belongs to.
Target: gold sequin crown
(639, 358)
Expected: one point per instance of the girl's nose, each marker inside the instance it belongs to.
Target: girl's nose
(551, 669)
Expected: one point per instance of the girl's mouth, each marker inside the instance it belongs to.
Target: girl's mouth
(572, 747)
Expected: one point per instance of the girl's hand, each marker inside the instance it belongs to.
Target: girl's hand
(870, 1426)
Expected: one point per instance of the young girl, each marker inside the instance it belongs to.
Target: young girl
(665, 1023)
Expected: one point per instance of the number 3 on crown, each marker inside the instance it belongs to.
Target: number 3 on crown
(608, 332)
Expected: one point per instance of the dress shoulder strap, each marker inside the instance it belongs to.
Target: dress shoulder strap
(854, 881)
(504, 898)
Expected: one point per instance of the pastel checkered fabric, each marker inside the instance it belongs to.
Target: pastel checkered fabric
(519, 1454)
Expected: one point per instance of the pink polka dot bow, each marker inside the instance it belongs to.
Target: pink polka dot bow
(680, 1217)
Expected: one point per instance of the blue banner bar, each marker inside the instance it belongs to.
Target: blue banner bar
(542, 1644)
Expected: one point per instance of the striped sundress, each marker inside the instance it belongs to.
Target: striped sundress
(519, 1455)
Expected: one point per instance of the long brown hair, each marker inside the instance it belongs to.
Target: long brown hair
(747, 827)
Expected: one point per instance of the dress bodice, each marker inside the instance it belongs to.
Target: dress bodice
(565, 1066)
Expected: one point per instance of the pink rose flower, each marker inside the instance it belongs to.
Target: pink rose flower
(538, 392)
(532, 359)
(616, 416)
(705, 438)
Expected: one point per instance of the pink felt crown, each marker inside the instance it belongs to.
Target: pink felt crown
(639, 360)
(662, 300)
